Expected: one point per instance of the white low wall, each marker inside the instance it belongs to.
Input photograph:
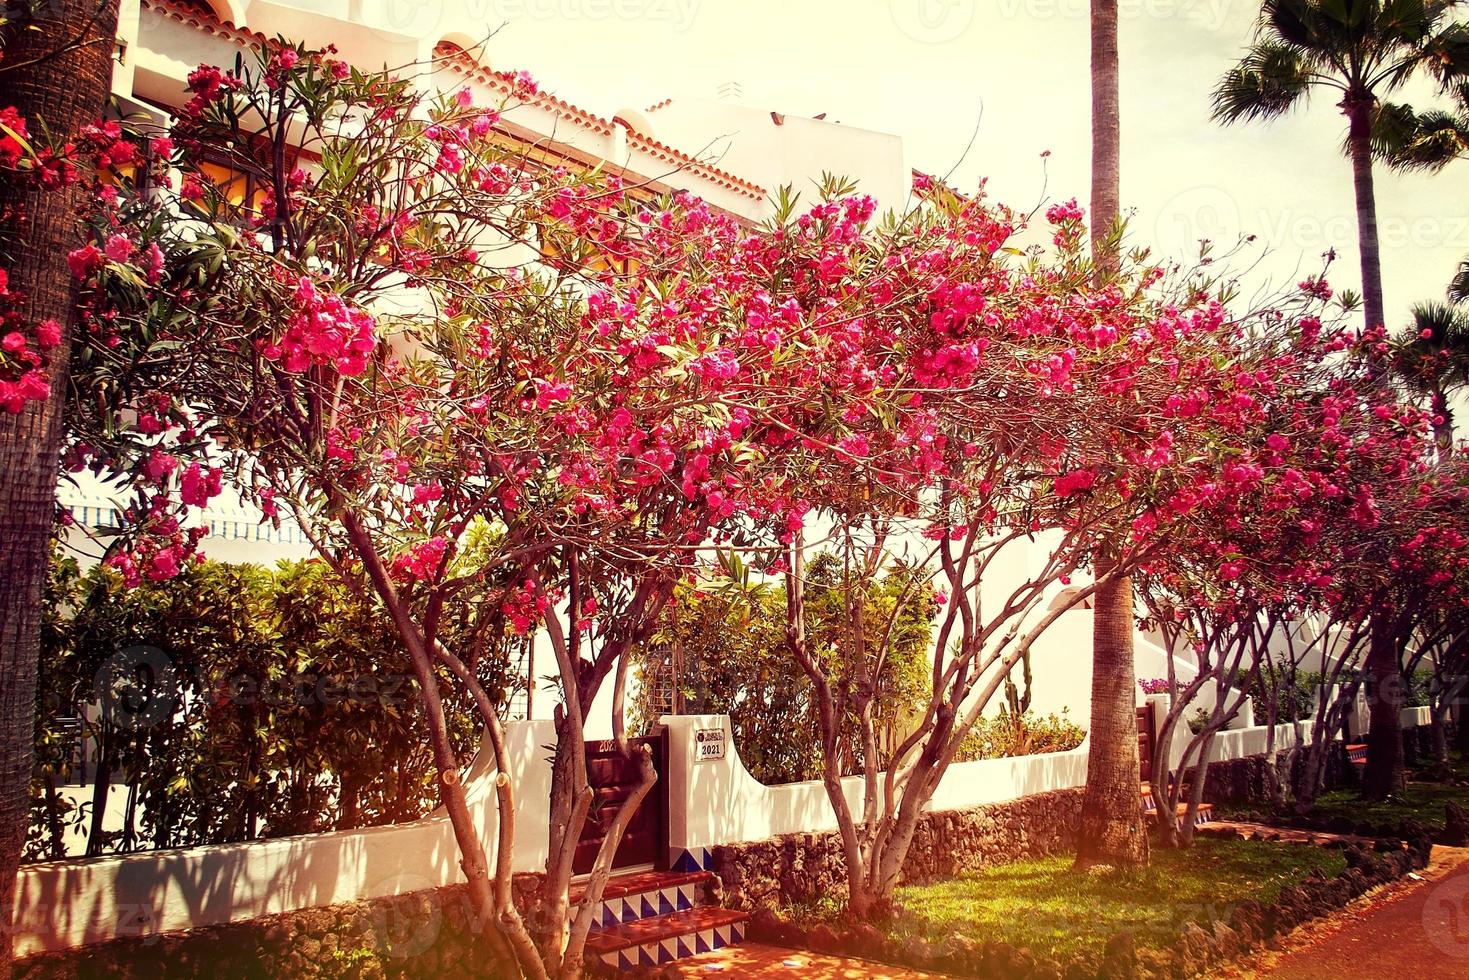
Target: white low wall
(717, 801)
(61, 904)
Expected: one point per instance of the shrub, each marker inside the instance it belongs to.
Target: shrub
(721, 649)
(233, 702)
(1007, 735)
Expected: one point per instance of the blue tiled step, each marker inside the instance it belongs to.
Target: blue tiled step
(646, 895)
(665, 938)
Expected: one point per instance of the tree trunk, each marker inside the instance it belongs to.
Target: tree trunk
(1384, 772)
(1358, 108)
(65, 88)
(101, 787)
(1112, 830)
(473, 861)
(1112, 826)
(1106, 134)
(1461, 720)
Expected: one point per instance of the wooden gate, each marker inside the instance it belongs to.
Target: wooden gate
(1145, 741)
(613, 778)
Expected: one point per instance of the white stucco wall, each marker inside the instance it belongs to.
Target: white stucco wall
(69, 903)
(60, 904)
(778, 149)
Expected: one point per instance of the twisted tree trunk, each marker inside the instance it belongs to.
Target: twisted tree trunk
(59, 72)
(1384, 773)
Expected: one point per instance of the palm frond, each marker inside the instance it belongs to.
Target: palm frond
(1446, 56)
(1431, 352)
(1268, 81)
(1458, 290)
(1426, 141)
(1296, 23)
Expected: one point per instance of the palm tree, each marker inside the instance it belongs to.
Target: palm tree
(1360, 50)
(1430, 359)
(57, 69)
(1112, 828)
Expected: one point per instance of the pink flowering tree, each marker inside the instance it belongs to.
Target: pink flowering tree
(1004, 405)
(541, 391)
(1254, 560)
(396, 384)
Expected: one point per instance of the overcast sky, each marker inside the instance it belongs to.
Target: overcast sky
(930, 70)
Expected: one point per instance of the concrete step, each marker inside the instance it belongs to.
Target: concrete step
(1204, 815)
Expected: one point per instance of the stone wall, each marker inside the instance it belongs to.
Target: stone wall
(1248, 780)
(425, 934)
(804, 867)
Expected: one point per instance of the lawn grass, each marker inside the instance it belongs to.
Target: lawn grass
(1423, 802)
(1044, 906)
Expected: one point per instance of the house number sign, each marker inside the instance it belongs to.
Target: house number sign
(710, 743)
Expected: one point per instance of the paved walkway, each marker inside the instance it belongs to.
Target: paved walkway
(1282, 835)
(1409, 929)
(759, 960)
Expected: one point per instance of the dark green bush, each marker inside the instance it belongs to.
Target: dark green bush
(231, 703)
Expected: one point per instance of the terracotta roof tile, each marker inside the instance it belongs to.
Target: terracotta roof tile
(461, 61)
(208, 23)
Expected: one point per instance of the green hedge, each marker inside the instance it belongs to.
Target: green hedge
(231, 703)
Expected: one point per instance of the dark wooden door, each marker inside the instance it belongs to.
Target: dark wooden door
(1145, 741)
(613, 779)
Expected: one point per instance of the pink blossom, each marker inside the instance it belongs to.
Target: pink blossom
(325, 329)
(48, 334)
(1074, 482)
(84, 261)
(551, 392)
(198, 485)
(159, 465)
(119, 248)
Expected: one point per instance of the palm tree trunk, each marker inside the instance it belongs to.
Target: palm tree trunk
(1106, 133)
(66, 86)
(1359, 140)
(1112, 830)
(1112, 826)
(1443, 425)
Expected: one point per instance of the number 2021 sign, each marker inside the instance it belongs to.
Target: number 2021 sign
(710, 744)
